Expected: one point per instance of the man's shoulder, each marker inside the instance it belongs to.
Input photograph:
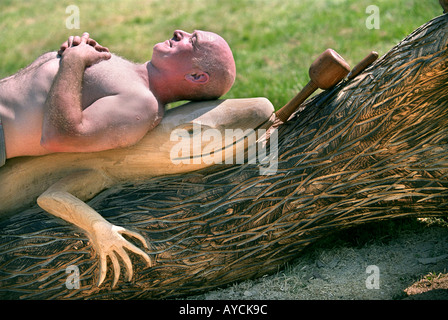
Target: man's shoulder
(142, 95)
(141, 100)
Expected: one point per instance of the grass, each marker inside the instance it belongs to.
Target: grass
(274, 41)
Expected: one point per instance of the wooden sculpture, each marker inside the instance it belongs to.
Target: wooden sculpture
(373, 147)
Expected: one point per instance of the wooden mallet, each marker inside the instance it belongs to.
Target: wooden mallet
(325, 72)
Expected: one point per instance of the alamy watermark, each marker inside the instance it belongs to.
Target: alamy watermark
(373, 280)
(73, 20)
(198, 145)
(73, 278)
(373, 20)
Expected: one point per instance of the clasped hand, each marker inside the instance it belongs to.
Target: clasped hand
(84, 48)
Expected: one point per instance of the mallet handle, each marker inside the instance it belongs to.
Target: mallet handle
(288, 109)
(364, 63)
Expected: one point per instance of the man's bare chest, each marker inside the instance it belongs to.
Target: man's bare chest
(107, 78)
(29, 88)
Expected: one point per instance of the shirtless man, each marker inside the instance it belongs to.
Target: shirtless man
(85, 99)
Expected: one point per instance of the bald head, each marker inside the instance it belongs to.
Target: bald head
(216, 59)
(193, 66)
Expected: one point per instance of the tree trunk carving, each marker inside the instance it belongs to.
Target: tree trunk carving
(374, 147)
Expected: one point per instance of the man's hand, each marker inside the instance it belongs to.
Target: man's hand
(63, 116)
(84, 49)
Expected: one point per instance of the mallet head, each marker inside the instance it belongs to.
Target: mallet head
(328, 69)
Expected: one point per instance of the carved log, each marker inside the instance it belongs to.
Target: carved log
(374, 147)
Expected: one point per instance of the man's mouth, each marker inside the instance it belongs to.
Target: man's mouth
(168, 42)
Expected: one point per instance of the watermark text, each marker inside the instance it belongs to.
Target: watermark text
(73, 20)
(373, 280)
(72, 281)
(373, 20)
(233, 146)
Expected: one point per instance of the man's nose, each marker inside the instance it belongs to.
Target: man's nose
(181, 34)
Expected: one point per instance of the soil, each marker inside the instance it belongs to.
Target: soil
(366, 264)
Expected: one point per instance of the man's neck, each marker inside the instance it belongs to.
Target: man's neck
(160, 85)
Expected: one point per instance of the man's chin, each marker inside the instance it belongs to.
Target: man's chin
(157, 46)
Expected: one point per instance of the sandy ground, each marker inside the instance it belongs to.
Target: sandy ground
(410, 265)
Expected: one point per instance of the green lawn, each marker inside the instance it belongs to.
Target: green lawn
(274, 41)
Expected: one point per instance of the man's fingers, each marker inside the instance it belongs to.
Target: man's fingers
(74, 41)
(70, 41)
(85, 37)
(100, 48)
(107, 55)
(77, 40)
(97, 46)
(92, 42)
(90, 50)
(62, 48)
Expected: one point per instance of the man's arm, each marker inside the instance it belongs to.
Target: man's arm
(69, 128)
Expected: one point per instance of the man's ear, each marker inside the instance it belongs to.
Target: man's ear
(198, 77)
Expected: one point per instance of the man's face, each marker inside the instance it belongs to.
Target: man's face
(177, 53)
